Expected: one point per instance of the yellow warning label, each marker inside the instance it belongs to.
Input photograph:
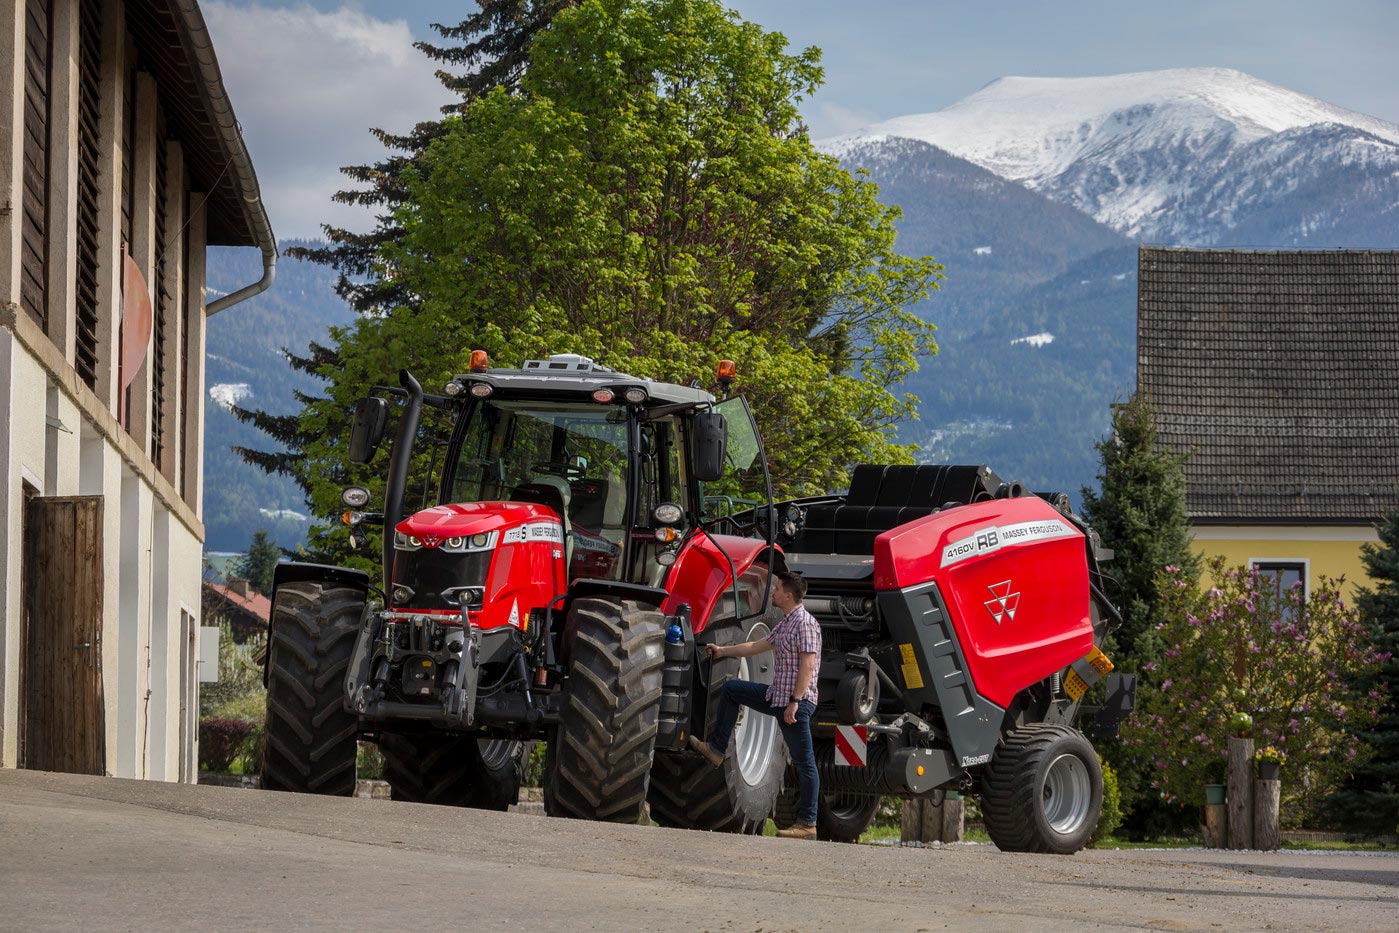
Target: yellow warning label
(1098, 661)
(1074, 685)
(913, 677)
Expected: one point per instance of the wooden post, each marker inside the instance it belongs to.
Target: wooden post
(911, 826)
(1267, 796)
(1240, 800)
(1216, 821)
(953, 819)
(932, 821)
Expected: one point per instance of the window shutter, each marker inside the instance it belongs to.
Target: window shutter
(34, 245)
(89, 184)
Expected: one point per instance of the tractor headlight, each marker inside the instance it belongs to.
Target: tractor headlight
(405, 542)
(453, 388)
(466, 544)
(634, 395)
(668, 513)
(482, 390)
(354, 497)
(401, 594)
(665, 558)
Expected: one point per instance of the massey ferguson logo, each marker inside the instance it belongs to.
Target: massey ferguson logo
(1003, 602)
(430, 540)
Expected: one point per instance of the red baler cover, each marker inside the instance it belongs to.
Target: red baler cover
(1014, 576)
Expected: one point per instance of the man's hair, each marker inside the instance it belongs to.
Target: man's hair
(794, 582)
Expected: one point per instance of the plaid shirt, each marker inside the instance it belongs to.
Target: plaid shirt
(798, 633)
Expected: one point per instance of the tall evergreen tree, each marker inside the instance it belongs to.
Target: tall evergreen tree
(259, 564)
(1139, 511)
(486, 50)
(1140, 514)
(1369, 803)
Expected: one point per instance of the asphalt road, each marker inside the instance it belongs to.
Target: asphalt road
(112, 854)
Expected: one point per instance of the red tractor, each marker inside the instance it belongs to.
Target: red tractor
(595, 529)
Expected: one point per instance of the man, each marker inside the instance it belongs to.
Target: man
(791, 697)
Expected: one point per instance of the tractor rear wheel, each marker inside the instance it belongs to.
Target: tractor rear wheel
(599, 759)
(311, 740)
(688, 792)
(1043, 791)
(453, 770)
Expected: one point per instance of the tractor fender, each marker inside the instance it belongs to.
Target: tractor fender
(701, 574)
(295, 572)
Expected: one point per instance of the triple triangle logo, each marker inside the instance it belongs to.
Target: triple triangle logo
(1003, 602)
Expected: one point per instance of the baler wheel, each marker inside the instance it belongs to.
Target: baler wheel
(453, 770)
(688, 792)
(839, 817)
(599, 759)
(1043, 791)
(311, 741)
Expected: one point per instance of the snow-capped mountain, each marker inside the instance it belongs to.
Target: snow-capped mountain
(1191, 155)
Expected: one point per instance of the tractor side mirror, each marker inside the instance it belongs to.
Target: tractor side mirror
(367, 429)
(711, 446)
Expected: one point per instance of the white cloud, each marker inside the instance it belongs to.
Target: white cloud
(307, 86)
(827, 119)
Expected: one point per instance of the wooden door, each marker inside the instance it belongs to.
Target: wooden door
(64, 722)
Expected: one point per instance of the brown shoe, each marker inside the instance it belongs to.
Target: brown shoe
(798, 831)
(707, 750)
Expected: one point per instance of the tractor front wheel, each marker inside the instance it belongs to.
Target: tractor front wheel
(1043, 792)
(453, 770)
(311, 740)
(599, 759)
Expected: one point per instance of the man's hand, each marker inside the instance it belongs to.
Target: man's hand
(715, 652)
(790, 716)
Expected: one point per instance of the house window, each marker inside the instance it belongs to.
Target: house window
(1285, 575)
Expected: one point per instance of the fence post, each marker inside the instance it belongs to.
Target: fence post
(1267, 796)
(953, 817)
(1240, 800)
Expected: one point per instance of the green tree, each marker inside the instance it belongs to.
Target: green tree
(259, 564)
(1296, 665)
(1140, 514)
(650, 198)
(1369, 802)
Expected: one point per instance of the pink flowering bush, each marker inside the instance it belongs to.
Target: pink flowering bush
(1287, 662)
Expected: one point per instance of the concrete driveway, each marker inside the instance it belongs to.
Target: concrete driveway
(113, 854)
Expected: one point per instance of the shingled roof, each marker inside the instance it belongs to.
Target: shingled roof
(1280, 370)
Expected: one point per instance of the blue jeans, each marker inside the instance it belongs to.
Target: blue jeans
(736, 693)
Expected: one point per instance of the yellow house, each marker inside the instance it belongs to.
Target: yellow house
(1278, 371)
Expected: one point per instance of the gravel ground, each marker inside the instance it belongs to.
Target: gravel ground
(88, 852)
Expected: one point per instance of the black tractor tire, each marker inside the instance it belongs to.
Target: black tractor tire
(599, 757)
(839, 817)
(311, 740)
(687, 792)
(1043, 791)
(454, 770)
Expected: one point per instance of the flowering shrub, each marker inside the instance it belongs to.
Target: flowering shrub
(221, 741)
(1239, 654)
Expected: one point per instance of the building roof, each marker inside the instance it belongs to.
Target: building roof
(252, 602)
(176, 49)
(1280, 370)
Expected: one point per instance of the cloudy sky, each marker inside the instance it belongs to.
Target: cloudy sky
(308, 78)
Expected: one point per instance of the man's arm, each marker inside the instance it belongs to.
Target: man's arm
(742, 650)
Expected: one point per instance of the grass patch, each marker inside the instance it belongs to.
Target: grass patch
(1337, 846)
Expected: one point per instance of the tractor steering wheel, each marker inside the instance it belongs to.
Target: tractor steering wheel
(567, 471)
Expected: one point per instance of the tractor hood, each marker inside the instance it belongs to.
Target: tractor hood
(441, 522)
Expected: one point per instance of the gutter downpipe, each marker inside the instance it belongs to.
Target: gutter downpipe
(200, 49)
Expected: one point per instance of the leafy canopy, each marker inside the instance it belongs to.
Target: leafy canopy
(649, 198)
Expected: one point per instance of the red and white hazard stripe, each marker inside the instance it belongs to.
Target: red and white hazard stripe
(852, 746)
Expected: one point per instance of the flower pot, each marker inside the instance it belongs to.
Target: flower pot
(1214, 793)
(1268, 770)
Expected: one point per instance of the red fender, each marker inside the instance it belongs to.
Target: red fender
(1014, 575)
(700, 575)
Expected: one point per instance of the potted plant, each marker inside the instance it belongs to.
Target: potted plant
(1214, 781)
(1270, 761)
